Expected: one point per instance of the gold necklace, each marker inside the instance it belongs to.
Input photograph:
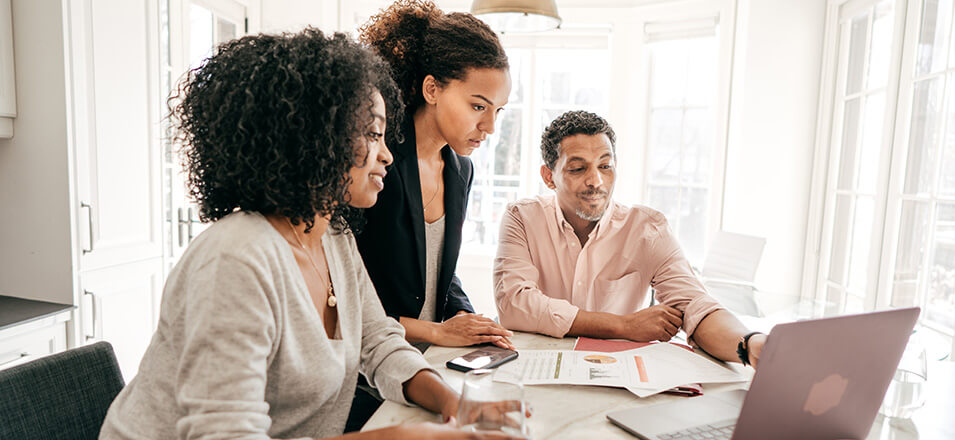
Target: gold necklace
(437, 186)
(330, 294)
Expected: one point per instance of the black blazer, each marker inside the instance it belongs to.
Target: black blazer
(392, 241)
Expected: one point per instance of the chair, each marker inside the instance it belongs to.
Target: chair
(61, 396)
(729, 270)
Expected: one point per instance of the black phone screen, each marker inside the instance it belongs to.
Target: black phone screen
(484, 357)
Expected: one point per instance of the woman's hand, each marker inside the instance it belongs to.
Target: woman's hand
(470, 329)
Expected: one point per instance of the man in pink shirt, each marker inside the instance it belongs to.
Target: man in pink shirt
(576, 263)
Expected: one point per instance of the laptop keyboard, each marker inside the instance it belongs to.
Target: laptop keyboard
(721, 430)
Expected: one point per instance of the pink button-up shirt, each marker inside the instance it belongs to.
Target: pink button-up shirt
(542, 276)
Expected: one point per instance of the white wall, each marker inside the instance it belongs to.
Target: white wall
(774, 102)
(293, 15)
(35, 250)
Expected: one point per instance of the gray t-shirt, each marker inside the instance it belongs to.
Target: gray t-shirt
(240, 350)
(434, 246)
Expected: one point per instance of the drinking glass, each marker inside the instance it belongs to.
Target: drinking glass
(905, 393)
(489, 405)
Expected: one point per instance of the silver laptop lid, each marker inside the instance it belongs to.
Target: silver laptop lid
(809, 385)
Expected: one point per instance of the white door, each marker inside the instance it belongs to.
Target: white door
(195, 28)
(115, 91)
(118, 305)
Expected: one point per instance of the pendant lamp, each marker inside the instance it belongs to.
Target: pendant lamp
(517, 15)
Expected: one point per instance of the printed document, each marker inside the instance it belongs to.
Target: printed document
(644, 371)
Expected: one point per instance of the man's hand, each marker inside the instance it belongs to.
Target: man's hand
(657, 323)
(755, 346)
(470, 329)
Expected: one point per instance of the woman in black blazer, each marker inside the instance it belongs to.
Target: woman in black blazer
(454, 78)
(453, 74)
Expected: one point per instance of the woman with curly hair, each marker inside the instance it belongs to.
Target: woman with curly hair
(269, 316)
(454, 79)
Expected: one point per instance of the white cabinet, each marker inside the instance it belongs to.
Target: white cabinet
(119, 304)
(25, 342)
(116, 113)
(82, 220)
(115, 102)
(8, 91)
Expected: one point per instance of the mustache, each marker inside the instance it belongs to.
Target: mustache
(594, 192)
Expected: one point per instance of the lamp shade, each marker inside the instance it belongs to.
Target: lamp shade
(517, 15)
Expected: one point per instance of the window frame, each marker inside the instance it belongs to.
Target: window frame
(889, 194)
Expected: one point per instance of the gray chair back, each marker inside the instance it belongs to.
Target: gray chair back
(61, 396)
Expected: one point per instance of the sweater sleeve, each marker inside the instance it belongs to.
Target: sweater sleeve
(387, 360)
(221, 374)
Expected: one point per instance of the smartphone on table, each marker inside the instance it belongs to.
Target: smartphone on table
(486, 356)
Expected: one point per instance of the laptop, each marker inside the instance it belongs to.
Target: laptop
(822, 378)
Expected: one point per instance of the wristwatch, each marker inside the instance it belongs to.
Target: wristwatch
(742, 349)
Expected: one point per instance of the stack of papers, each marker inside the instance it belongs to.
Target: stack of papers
(643, 371)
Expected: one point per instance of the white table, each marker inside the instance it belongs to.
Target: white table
(559, 411)
(576, 412)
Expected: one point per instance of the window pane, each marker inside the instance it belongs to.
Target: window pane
(574, 78)
(693, 223)
(697, 147)
(912, 239)
(861, 241)
(225, 30)
(702, 75)
(666, 199)
(200, 35)
(665, 132)
(881, 46)
(933, 36)
(838, 253)
(681, 139)
(857, 42)
(850, 137)
(946, 181)
(507, 143)
(940, 301)
(668, 74)
(517, 58)
(872, 135)
(924, 136)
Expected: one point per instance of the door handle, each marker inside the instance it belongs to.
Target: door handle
(89, 216)
(93, 312)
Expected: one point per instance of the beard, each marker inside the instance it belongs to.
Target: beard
(596, 214)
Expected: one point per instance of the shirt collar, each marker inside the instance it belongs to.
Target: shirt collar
(602, 224)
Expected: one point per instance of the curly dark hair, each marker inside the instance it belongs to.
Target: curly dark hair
(417, 39)
(272, 123)
(569, 124)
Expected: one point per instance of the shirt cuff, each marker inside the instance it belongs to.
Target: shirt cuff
(696, 310)
(559, 318)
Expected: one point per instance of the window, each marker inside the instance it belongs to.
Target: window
(924, 197)
(888, 228)
(681, 141)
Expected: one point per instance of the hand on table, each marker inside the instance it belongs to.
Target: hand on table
(657, 323)
(470, 329)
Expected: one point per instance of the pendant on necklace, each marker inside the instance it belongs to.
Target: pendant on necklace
(332, 301)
